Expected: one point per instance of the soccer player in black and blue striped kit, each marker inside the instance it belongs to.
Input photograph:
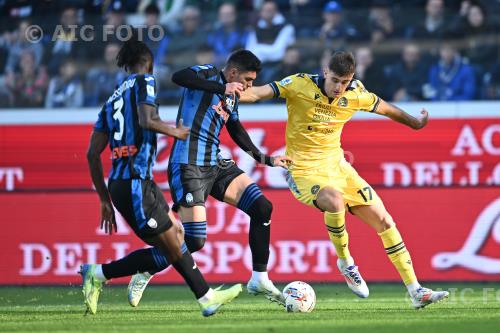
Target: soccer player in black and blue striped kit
(129, 123)
(210, 101)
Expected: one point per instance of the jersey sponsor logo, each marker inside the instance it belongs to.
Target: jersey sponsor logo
(317, 96)
(152, 223)
(286, 81)
(123, 151)
(342, 102)
(189, 198)
(315, 189)
(219, 108)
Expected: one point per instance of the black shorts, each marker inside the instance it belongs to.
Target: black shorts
(142, 205)
(190, 184)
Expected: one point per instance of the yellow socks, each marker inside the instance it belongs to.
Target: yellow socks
(400, 257)
(335, 223)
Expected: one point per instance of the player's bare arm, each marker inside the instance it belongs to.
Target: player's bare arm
(150, 119)
(98, 142)
(255, 94)
(188, 78)
(240, 136)
(393, 112)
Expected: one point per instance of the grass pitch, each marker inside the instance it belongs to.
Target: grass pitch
(471, 308)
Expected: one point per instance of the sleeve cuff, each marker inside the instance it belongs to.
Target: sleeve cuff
(376, 105)
(275, 88)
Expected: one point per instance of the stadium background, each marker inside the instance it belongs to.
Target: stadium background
(440, 184)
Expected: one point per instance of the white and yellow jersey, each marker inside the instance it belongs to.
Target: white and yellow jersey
(315, 121)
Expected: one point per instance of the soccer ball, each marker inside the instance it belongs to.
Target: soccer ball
(299, 297)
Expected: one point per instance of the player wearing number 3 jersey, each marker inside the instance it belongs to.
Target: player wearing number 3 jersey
(318, 108)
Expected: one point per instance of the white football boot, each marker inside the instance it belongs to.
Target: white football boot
(266, 288)
(353, 278)
(136, 287)
(425, 296)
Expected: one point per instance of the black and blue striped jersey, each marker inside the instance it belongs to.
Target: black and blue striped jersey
(133, 148)
(205, 113)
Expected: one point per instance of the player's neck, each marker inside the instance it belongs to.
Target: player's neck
(139, 70)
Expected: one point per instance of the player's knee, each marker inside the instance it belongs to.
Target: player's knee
(194, 243)
(385, 222)
(260, 210)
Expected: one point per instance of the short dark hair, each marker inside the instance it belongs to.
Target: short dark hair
(133, 52)
(342, 63)
(152, 9)
(244, 61)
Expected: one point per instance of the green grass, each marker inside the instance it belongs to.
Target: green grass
(471, 308)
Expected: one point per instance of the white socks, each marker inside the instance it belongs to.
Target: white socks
(412, 287)
(207, 297)
(259, 276)
(98, 274)
(346, 262)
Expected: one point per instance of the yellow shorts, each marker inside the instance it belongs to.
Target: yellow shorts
(305, 185)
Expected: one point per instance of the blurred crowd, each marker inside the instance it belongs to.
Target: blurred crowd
(406, 50)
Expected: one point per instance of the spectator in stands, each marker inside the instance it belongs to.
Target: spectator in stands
(303, 15)
(151, 35)
(272, 35)
(492, 83)
(185, 41)
(66, 44)
(433, 26)
(16, 43)
(336, 31)
(291, 64)
(369, 72)
(380, 22)
(101, 81)
(205, 55)
(28, 86)
(451, 79)
(226, 35)
(478, 34)
(408, 76)
(65, 90)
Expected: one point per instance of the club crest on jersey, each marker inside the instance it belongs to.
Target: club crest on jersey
(315, 189)
(342, 102)
(286, 81)
(189, 198)
(230, 102)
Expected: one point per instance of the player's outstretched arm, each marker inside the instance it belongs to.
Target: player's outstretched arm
(150, 119)
(391, 111)
(240, 136)
(98, 142)
(188, 78)
(254, 94)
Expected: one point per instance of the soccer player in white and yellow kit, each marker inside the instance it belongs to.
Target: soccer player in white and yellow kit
(318, 108)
